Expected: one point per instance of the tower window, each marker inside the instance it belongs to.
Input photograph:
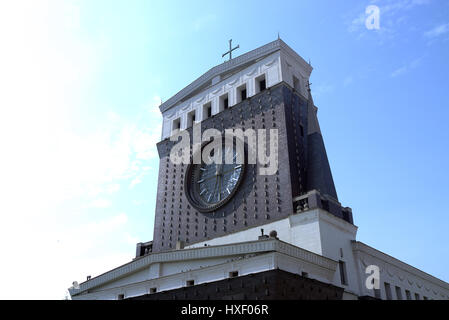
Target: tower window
(387, 290)
(224, 102)
(241, 93)
(398, 293)
(295, 83)
(190, 283)
(176, 125)
(153, 290)
(191, 116)
(416, 296)
(121, 296)
(343, 275)
(207, 111)
(408, 295)
(261, 83)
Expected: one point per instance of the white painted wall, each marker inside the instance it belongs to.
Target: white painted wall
(399, 274)
(306, 230)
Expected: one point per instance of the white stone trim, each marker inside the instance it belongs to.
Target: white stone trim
(232, 64)
(397, 273)
(252, 247)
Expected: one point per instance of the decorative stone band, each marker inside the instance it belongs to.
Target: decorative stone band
(251, 247)
(387, 260)
(228, 65)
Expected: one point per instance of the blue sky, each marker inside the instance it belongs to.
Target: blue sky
(82, 80)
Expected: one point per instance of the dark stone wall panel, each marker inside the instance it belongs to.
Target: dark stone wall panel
(259, 199)
(268, 285)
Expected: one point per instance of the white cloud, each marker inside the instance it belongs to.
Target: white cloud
(322, 89)
(49, 258)
(392, 16)
(437, 31)
(357, 23)
(347, 81)
(135, 182)
(399, 71)
(204, 21)
(406, 68)
(100, 203)
(46, 64)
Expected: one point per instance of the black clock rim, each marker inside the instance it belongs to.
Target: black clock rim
(187, 182)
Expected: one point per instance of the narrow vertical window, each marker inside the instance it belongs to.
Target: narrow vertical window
(295, 83)
(408, 295)
(416, 296)
(176, 125)
(261, 83)
(191, 116)
(387, 290)
(224, 102)
(207, 111)
(241, 93)
(398, 293)
(343, 275)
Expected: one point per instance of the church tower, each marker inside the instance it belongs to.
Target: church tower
(267, 88)
(239, 230)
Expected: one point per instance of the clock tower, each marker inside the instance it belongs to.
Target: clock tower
(264, 90)
(214, 206)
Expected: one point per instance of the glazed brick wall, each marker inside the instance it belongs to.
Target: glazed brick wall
(259, 199)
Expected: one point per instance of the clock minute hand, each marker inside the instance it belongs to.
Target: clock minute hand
(213, 191)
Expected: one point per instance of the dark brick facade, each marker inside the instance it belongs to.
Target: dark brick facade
(259, 199)
(268, 285)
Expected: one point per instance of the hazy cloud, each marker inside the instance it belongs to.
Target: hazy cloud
(405, 68)
(204, 21)
(437, 31)
(392, 15)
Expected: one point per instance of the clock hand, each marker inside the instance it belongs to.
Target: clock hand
(215, 186)
(219, 187)
(204, 179)
(212, 193)
(233, 169)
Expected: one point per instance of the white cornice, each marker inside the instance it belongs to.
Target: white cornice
(233, 64)
(361, 247)
(251, 247)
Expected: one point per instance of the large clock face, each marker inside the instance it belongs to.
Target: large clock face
(210, 186)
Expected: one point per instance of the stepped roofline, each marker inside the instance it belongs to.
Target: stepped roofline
(241, 61)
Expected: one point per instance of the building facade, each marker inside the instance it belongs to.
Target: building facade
(211, 222)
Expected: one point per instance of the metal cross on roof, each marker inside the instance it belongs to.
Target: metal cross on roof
(230, 50)
(308, 85)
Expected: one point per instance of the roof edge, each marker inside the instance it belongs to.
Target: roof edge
(264, 50)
